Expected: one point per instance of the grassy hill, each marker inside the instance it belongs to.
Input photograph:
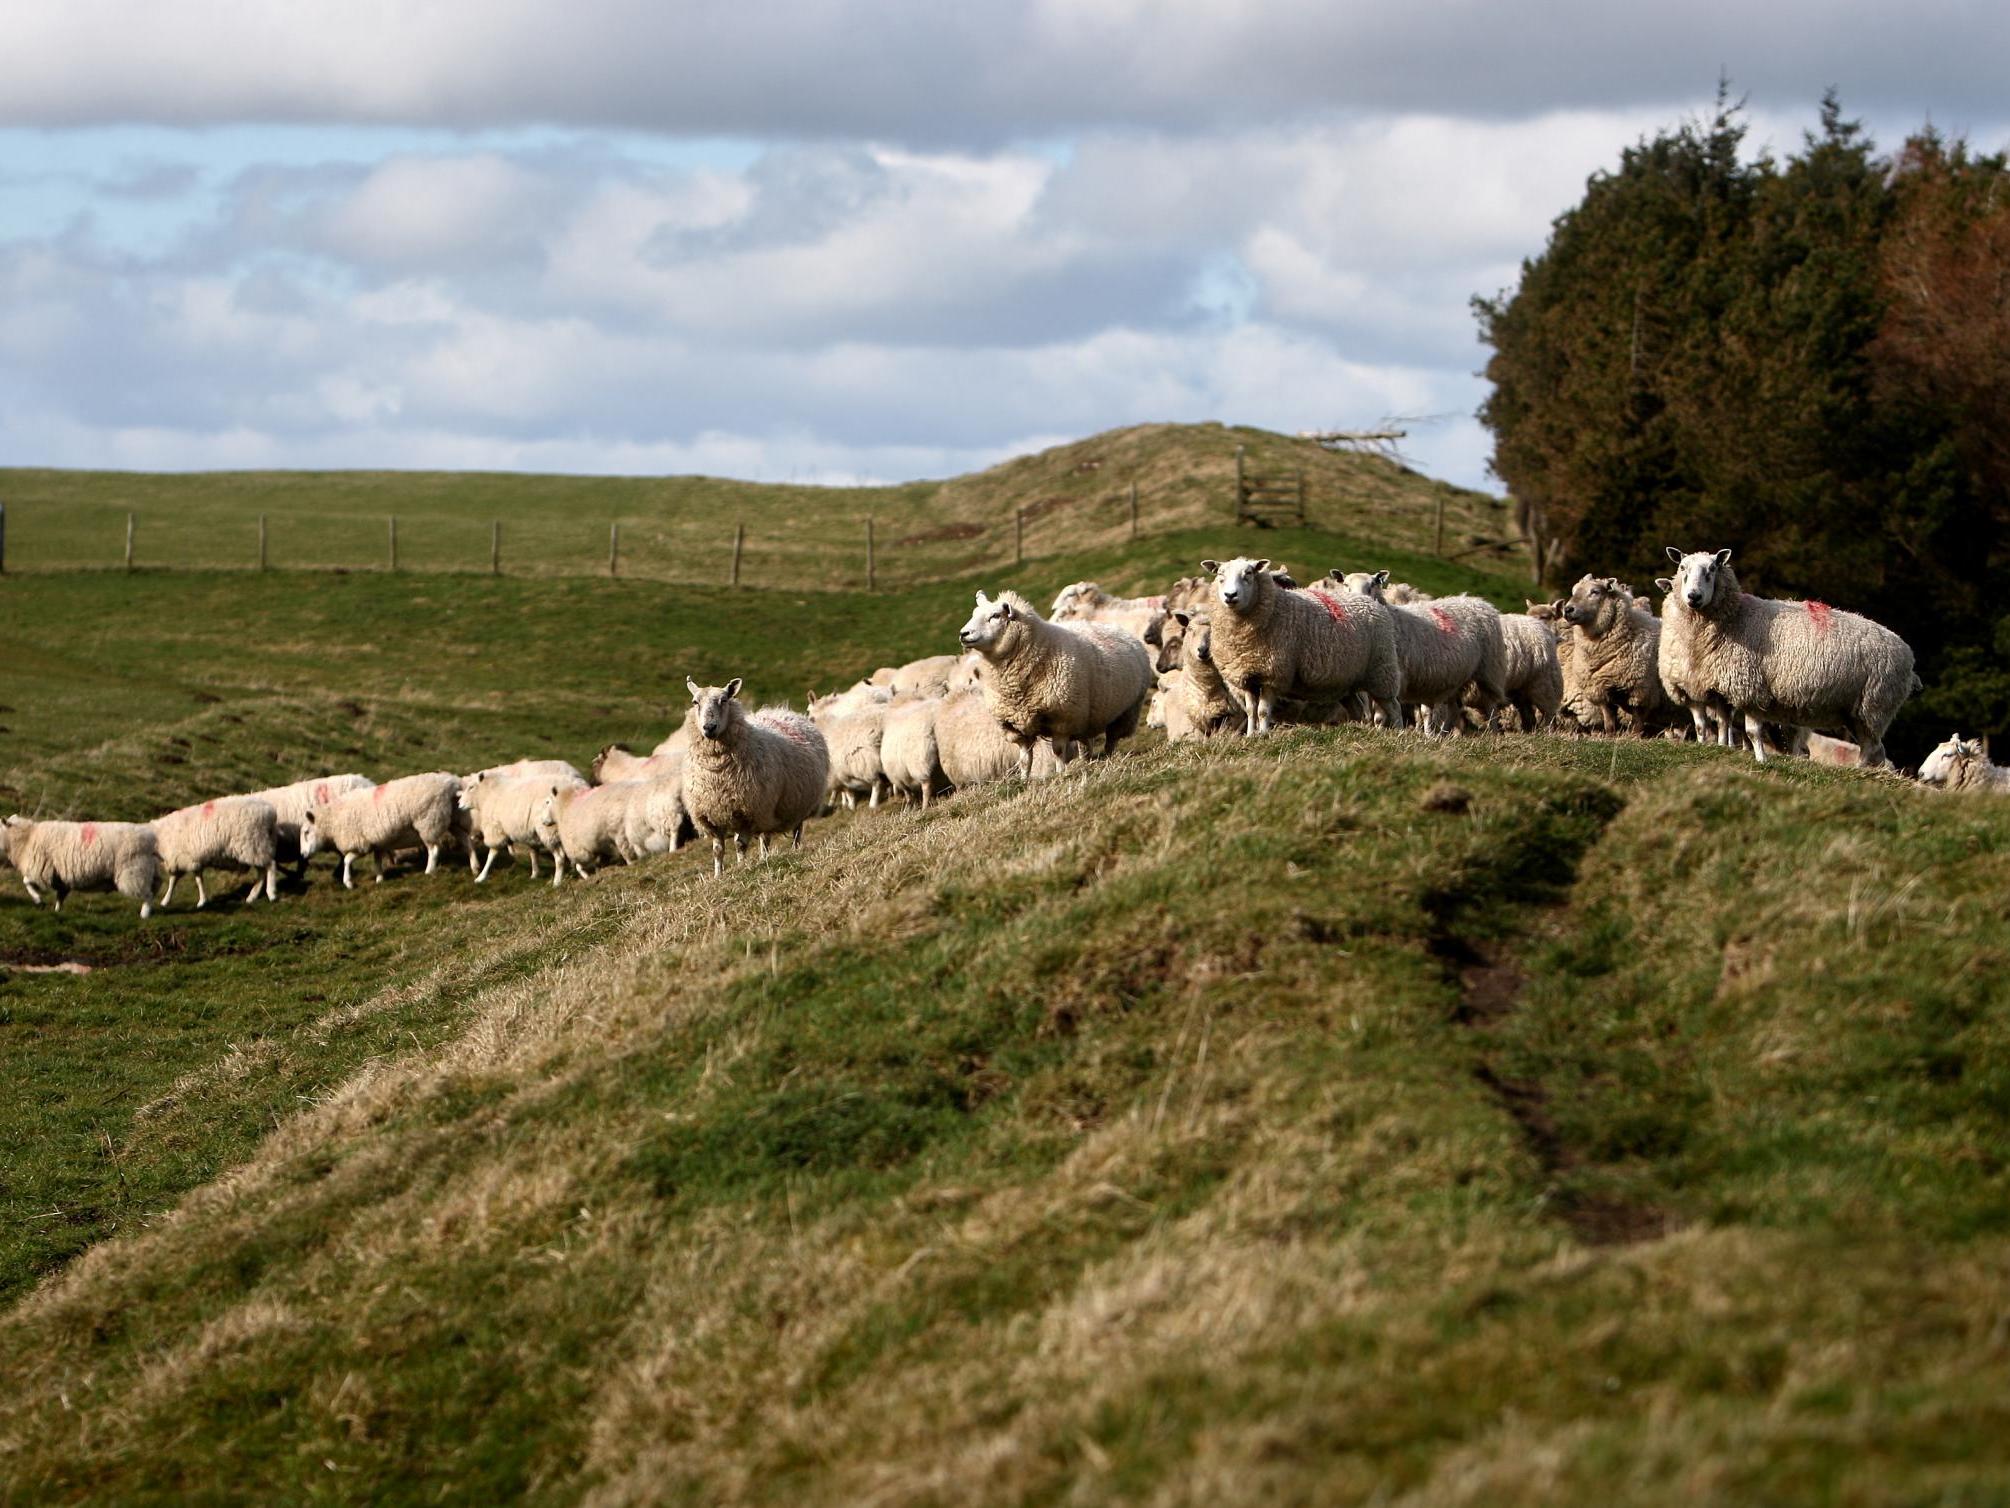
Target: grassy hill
(1075, 498)
(1514, 1121)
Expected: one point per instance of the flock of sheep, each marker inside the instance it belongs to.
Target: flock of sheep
(1232, 652)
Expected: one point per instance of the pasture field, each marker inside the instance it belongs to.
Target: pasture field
(1075, 497)
(1492, 1121)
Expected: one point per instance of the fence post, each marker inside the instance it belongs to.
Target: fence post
(261, 541)
(739, 541)
(1134, 513)
(1438, 548)
(1239, 485)
(1018, 536)
(394, 541)
(871, 568)
(1301, 499)
(129, 541)
(495, 548)
(613, 549)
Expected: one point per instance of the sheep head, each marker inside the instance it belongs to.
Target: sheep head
(1240, 582)
(989, 625)
(1596, 603)
(717, 707)
(1362, 583)
(1700, 577)
(310, 835)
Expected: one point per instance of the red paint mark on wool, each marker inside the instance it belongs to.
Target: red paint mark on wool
(1820, 612)
(321, 794)
(1332, 605)
(208, 810)
(89, 835)
(1444, 621)
(377, 795)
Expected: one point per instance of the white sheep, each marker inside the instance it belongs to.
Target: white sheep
(235, 832)
(616, 763)
(1273, 642)
(587, 826)
(1451, 650)
(926, 677)
(1532, 673)
(1804, 664)
(909, 756)
(503, 811)
(1962, 764)
(414, 811)
(291, 803)
(1613, 667)
(1198, 702)
(750, 776)
(853, 727)
(1064, 682)
(67, 856)
(1086, 602)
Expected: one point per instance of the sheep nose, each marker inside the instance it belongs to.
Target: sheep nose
(1695, 599)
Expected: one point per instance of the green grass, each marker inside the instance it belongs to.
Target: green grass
(1245, 1121)
(1074, 497)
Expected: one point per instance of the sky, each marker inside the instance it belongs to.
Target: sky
(826, 240)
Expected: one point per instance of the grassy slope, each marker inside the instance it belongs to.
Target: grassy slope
(681, 528)
(1232, 1121)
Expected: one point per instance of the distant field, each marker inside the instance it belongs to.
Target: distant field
(1075, 497)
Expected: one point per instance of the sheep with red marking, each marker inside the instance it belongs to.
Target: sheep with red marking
(67, 856)
(236, 832)
(1451, 650)
(1064, 682)
(750, 775)
(1804, 664)
(291, 803)
(587, 826)
(1272, 642)
(417, 811)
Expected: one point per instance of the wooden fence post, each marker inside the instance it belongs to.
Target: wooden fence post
(1239, 488)
(129, 541)
(1018, 536)
(394, 541)
(614, 549)
(1134, 513)
(739, 541)
(871, 565)
(495, 548)
(261, 541)
(1438, 548)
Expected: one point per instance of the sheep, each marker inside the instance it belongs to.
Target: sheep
(750, 776)
(236, 832)
(290, 803)
(910, 758)
(587, 826)
(1086, 602)
(503, 810)
(1058, 681)
(1613, 668)
(657, 819)
(615, 763)
(1273, 642)
(1805, 664)
(69, 856)
(1402, 594)
(417, 809)
(853, 738)
(1962, 764)
(1198, 703)
(1532, 673)
(926, 677)
(1444, 646)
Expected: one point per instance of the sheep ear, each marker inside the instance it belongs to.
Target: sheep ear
(1212, 567)
(1662, 583)
(1675, 555)
(1381, 578)
(732, 688)
(697, 691)
(1723, 557)
(1262, 565)
(1182, 619)
(1009, 609)
(982, 599)
(1529, 604)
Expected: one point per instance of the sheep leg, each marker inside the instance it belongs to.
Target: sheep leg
(432, 857)
(1756, 735)
(347, 883)
(1393, 713)
(33, 894)
(557, 868)
(739, 848)
(201, 895)
(378, 855)
(58, 889)
(873, 804)
(166, 895)
(486, 867)
(718, 856)
(797, 837)
(531, 849)
(257, 884)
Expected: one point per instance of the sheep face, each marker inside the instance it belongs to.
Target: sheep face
(1944, 763)
(1698, 576)
(466, 800)
(310, 835)
(1364, 583)
(546, 822)
(716, 705)
(1238, 582)
(1076, 600)
(988, 624)
(1596, 602)
(15, 827)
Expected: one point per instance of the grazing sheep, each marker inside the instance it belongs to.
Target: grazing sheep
(1273, 642)
(237, 832)
(588, 826)
(910, 758)
(1614, 663)
(750, 776)
(1805, 664)
(504, 810)
(1058, 681)
(291, 803)
(417, 810)
(69, 856)
(1445, 646)
(1962, 764)
(853, 738)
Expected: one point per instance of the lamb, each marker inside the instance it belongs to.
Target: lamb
(1962, 764)
(1444, 646)
(1058, 681)
(1273, 642)
(910, 757)
(504, 810)
(750, 776)
(292, 802)
(236, 832)
(417, 810)
(69, 856)
(1614, 662)
(1805, 664)
(587, 826)
(1199, 703)
(853, 738)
